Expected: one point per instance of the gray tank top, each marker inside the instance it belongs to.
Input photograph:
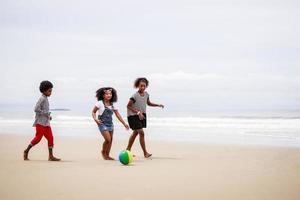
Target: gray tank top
(140, 103)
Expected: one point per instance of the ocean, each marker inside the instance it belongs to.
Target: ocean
(273, 129)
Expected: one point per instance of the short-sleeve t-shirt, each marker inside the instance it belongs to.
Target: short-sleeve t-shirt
(100, 106)
(139, 103)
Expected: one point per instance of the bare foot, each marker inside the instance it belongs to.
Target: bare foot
(25, 155)
(104, 156)
(148, 155)
(110, 158)
(54, 159)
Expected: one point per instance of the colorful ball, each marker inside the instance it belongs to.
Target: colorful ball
(125, 157)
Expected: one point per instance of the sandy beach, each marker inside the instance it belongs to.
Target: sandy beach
(176, 171)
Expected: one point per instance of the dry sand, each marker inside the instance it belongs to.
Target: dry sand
(176, 171)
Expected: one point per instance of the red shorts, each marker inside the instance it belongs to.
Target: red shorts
(43, 131)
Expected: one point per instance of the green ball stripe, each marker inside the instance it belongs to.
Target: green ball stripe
(124, 157)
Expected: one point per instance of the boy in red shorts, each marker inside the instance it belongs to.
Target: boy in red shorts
(42, 121)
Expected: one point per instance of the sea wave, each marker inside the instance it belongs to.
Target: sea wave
(196, 122)
(241, 130)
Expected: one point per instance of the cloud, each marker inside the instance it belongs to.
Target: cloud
(184, 76)
(213, 53)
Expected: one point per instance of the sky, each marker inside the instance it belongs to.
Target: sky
(199, 56)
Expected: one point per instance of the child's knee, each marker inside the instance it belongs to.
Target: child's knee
(141, 132)
(108, 140)
(36, 140)
(135, 133)
(49, 138)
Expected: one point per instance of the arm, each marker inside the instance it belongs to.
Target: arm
(121, 119)
(94, 111)
(149, 103)
(130, 107)
(38, 108)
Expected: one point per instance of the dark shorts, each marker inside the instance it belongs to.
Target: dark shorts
(135, 122)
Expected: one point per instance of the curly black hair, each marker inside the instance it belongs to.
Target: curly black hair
(45, 85)
(100, 93)
(139, 80)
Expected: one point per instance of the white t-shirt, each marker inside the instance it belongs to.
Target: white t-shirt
(101, 107)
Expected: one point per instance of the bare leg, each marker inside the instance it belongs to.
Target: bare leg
(109, 146)
(102, 151)
(26, 151)
(142, 142)
(38, 136)
(131, 140)
(51, 157)
(106, 144)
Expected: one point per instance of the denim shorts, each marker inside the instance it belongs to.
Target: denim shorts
(104, 127)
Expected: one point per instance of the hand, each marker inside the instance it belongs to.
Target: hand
(141, 116)
(98, 122)
(126, 126)
(161, 106)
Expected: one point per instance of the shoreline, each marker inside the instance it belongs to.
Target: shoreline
(97, 136)
(264, 132)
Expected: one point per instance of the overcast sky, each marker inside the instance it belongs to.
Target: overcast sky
(198, 55)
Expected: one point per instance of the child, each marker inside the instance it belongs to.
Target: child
(136, 112)
(105, 107)
(42, 121)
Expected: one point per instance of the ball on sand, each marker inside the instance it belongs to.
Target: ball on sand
(125, 157)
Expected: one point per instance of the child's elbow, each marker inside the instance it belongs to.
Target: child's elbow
(94, 111)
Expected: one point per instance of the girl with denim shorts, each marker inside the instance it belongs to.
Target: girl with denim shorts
(105, 108)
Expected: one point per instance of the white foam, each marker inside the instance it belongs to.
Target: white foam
(269, 130)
